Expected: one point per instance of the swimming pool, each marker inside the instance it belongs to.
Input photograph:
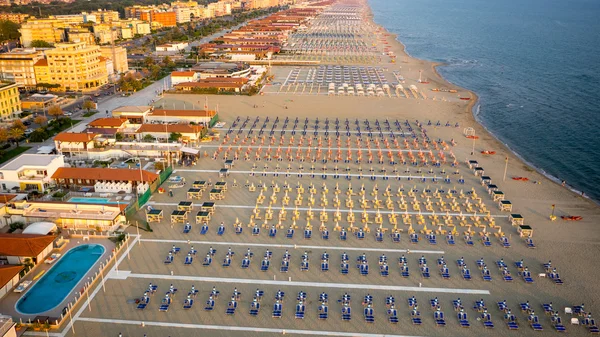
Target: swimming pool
(60, 280)
(92, 200)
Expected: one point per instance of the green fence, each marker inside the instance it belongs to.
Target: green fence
(144, 197)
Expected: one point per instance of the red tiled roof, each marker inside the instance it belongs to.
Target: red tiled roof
(108, 122)
(183, 73)
(75, 137)
(100, 173)
(179, 128)
(26, 245)
(41, 63)
(8, 272)
(4, 198)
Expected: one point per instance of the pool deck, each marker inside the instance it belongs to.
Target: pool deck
(7, 305)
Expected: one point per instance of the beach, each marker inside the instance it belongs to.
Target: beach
(567, 244)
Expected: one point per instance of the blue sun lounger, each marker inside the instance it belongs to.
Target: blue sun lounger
(346, 313)
(395, 237)
(555, 277)
(344, 268)
(486, 318)
(364, 269)
(210, 304)
(254, 307)
(290, 233)
(221, 230)
(343, 235)
(502, 306)
(325, 265)
(226, 261)
(450, 239)
(506, 276)
(415, 317)
(360, 234)
(300, 309)
(486, 241)
(255, 230)
(204, 229)
(511, 321)
(468, 240)
(505, 242)
(272, 232)
(285, 266)
(463, 320)
(245, 263)
(323, 311)
(432, 239)
(238, 229)
(207, 261)
(466, 274)
(369, 314)
(534, 322)
(188, 303)
(529, 243)
(557, 323)
(325, 234)
(384, 270)
(265, 264)
(485, 273)
(379, 236)
(277, 309)
(438, 316)
(307, 234)
(187, 228)
(164, 306)
(143, 303)
(231, 307)
(414, 238)
(304, 265)
(445, 272)
(404, 271)
(526, 274)
(188, 260)
(169, 258)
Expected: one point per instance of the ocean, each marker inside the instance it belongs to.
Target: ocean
(535, 66)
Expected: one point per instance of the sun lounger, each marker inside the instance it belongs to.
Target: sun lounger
(344, 268)
(463, 320)
(425, 271)
(226, 261)
(207, 261)
(438, 316)
(527, 276)
(169, 259)
(404, 271)
(238, 230)
(466, 274)
(188, 260)
(346, 313)
(384, 270)
(290, 233)
(231, 307)
(525, 307)
(432, 239)
(164, 307)
(265, 264)
(325, 265)
(343, 235)
(188, 303)
(502, 306)
(245, 263)
(486, 241)
(395, 237)
(187, 228)
(369, 314)
(221, 230)
(255, 230)
(505, 242)
(304, 265)
(450, 239)
(323, 311)
(445, 272)
(272, 232)
(300, 309)
(511, 321)
(364, 269)
(277, 309)
(506, 276)
(414, 238)
(307, 234)
(415, 317)
(485, 273)
(529, 243)
(557, 323)
(486, 318)
(379, 236)
(204, 229)
(360, 234)
(254, 308)
(534, 323)
(469, 240)
(325, 234)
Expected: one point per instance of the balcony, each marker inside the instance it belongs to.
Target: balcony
(34, 177)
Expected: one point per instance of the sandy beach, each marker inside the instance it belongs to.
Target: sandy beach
(567, 244)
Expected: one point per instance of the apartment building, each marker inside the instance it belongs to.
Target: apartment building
(49, 30)
(75, 66)
(118, 55)
(14, 17)
(17, 66)
(30, 172)
(10, 103)
(166, 19)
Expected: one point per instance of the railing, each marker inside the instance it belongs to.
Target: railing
(90, 215)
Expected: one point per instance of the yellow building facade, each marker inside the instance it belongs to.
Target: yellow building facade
(17, 66)
(119, 57)
(74, 66)
(10, 103)
(49, 30)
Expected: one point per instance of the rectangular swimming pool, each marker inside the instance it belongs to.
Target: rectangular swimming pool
(92, 200)
(60, 280)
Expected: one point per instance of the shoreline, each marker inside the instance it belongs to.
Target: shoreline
(473, 103)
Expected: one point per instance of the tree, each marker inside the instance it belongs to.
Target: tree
(168, 62)
(55, 111)
(148, 61)
(41, 44)
(40, 120)
(17, 124)
(89, 105)
(15, 134)
(149, 138)
(119, 136)
(8, 31)
(174, 136)
(3, 135)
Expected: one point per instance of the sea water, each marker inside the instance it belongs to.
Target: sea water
(534, 64)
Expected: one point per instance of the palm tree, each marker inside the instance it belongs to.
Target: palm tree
(15, 134)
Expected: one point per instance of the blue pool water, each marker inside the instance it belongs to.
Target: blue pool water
(91, 200)
(60, 280)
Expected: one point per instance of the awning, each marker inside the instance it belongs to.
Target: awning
(189, 150)
(42, 228)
